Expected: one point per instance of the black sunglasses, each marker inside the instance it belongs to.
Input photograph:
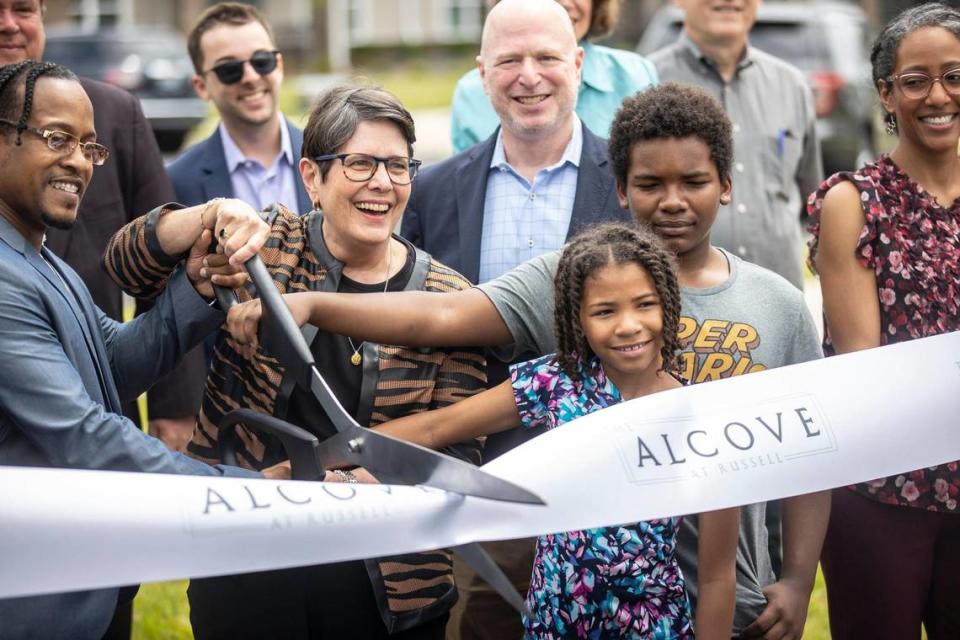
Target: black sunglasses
(230, 72)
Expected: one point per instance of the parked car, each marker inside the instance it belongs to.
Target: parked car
(829, 42)
(152, 64)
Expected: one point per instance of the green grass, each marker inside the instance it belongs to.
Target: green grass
(161, 613)
(418, 88)
(818, 626)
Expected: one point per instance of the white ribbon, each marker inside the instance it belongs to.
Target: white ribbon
(768, 435)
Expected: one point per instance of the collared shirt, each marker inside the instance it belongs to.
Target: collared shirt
(261, 186)
(521, 220)
(776, 162)
(608, 76)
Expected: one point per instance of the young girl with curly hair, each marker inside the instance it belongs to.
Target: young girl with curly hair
(616, 320)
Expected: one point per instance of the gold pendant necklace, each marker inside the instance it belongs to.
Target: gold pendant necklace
(356, 358)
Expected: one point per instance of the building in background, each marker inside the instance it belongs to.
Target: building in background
(310, 34)
(323, 35)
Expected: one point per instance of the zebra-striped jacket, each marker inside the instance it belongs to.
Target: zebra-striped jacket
(397, 381)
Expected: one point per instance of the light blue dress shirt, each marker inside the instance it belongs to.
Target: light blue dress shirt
(261, 186)
(608, 76)
(523, 220)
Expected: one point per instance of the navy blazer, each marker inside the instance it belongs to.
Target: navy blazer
(66, 367)
(445, 214)
(200, 173)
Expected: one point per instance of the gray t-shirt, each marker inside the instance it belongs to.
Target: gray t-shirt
(755, 320)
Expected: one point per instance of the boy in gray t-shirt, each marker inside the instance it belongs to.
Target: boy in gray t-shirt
(671, 150)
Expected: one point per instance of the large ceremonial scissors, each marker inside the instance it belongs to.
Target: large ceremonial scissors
(389, 459)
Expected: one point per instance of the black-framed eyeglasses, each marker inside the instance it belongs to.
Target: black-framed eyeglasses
(917, 85)
(360, 167)
(64, 143)
(231, 71)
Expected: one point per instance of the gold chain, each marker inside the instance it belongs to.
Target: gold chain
(356, 358)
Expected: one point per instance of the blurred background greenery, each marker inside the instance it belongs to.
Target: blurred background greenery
(161, 613)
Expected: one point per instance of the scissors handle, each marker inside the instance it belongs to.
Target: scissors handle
(301, 446)
(276, 317)
(226, 298)
(278, 332)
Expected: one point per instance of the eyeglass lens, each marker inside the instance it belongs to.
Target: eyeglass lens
(918, 85)
(63, 142)
(360, 167)
(263, 62)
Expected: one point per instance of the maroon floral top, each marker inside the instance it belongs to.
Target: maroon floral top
(913, 245)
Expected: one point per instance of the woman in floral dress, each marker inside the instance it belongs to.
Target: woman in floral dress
(887, 248)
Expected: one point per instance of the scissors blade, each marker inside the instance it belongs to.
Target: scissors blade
(395, 461)
(389, 459)
(486, 568)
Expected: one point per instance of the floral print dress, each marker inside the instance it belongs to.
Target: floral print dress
(612, 582)
(912, 244)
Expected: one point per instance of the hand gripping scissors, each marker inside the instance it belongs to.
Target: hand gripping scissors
(391, 460)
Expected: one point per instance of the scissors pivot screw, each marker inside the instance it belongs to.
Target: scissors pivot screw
(355, 445)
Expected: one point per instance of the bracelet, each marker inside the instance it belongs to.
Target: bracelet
(346, 476)
(203, 211)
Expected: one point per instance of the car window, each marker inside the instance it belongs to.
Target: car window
(85, 57)
(836, 41)
(800, 44)
(845, 37)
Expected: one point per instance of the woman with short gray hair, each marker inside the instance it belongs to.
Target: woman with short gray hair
(357, 167)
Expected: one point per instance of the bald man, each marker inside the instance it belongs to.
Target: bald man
(540, 178)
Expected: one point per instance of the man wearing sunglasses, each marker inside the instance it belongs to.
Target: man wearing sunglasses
(253, 154)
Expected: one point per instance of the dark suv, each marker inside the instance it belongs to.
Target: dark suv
(153, 65)
(829, 42)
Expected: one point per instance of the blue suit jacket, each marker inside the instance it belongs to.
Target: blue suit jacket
(65, 368)
(201, 174)
(445, 214)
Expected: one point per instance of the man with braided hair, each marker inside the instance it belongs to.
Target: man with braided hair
(132, 182)
(66, 367)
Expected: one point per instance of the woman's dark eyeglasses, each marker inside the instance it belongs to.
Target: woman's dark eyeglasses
(360, 167)
(916, 85)
(64, 143)
(231, 71)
